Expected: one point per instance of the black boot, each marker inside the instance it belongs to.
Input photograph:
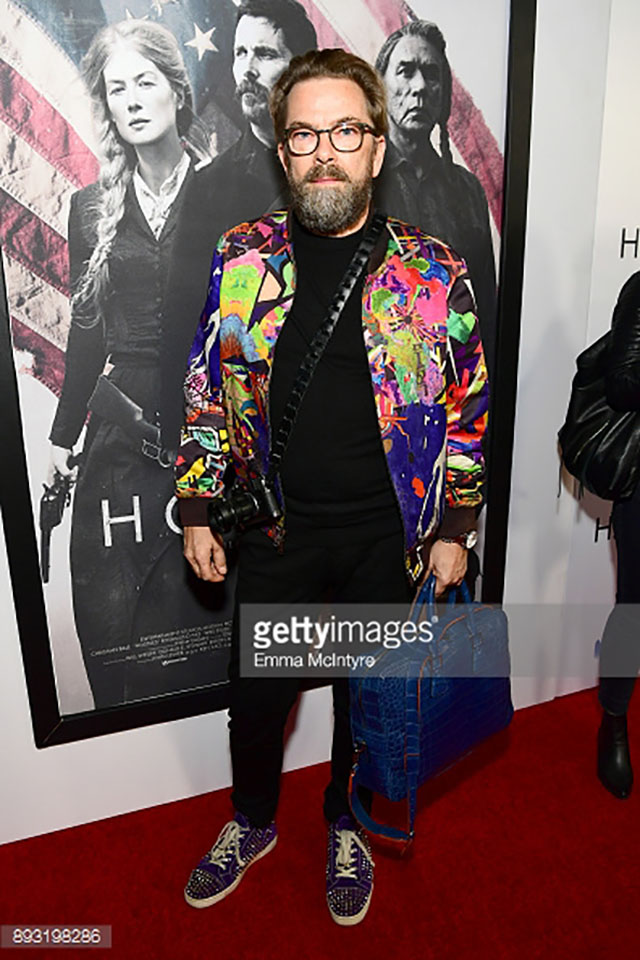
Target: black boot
(614, 762)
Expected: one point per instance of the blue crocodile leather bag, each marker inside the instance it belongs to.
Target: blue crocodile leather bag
(423, 706)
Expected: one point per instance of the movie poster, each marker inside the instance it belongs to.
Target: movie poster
(106, 276)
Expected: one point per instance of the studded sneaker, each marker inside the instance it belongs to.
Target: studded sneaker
(349, 872)
(222, 868)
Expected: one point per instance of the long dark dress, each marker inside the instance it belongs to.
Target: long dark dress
(144, 622)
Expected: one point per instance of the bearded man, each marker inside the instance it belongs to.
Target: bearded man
(242, 182)
(384, 456)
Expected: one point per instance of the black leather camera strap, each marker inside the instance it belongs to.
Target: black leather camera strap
(320, 341)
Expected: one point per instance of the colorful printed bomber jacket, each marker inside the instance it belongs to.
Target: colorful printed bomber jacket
(428, 371)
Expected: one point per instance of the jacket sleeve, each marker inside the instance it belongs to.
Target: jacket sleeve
(203, 454)
(85, 353)
(622, 380)
(467, 400)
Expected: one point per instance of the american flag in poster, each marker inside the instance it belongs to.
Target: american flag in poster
(47, 141)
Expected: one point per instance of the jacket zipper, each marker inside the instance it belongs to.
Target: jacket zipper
(281, 523)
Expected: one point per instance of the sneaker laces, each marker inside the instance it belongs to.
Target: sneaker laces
(345, 867)
(228, 843)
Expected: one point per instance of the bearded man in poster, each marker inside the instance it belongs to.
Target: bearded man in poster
(241, 183)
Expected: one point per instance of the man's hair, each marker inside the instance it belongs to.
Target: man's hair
(286, 15)
(340, 65)
(430, 33)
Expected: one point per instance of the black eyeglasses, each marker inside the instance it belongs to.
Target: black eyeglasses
(346, 137)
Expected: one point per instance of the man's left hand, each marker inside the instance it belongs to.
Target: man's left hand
(448, 563)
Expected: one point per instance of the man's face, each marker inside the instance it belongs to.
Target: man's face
(330, 190)
(414, 86)
(260, 54)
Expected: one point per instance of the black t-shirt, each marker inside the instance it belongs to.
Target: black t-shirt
(334, 472)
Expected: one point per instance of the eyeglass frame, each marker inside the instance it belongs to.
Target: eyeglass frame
(362, 127)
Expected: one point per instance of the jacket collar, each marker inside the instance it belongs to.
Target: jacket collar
(405, 238)
(283, 218)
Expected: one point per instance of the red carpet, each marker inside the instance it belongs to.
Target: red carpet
(520, 853)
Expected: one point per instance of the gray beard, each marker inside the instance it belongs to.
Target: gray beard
(330, 210)
(258, 111)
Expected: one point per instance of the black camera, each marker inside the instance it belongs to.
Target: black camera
(256, 502)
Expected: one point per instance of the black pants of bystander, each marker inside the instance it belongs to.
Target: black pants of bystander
(620, 650)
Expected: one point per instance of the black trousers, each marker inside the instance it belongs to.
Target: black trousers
(620, 649)
(351, 566)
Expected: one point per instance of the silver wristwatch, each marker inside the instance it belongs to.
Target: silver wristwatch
(466, 540)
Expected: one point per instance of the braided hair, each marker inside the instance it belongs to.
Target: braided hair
(430, 33)
(118, 158)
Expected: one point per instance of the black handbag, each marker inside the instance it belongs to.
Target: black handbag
(600, 446)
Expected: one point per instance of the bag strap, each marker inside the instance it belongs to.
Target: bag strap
(320, 341)
(411, 764)
(374, 826)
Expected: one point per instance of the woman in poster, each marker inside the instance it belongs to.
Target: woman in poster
(128, 594)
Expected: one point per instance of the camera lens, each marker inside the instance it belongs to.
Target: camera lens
(234, 511)
(220, 516)
(245, 508)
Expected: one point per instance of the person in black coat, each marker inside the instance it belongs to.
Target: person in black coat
(620, 649)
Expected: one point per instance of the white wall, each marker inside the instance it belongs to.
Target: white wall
(590, 565)
(570, 80)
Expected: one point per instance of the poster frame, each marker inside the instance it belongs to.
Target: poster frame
(50, 727)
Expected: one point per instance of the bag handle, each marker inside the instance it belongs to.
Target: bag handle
(426, 597)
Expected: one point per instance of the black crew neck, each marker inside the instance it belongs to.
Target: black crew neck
(305, 237)
(334, 472)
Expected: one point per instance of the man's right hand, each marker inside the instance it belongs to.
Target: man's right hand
(205, 552)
